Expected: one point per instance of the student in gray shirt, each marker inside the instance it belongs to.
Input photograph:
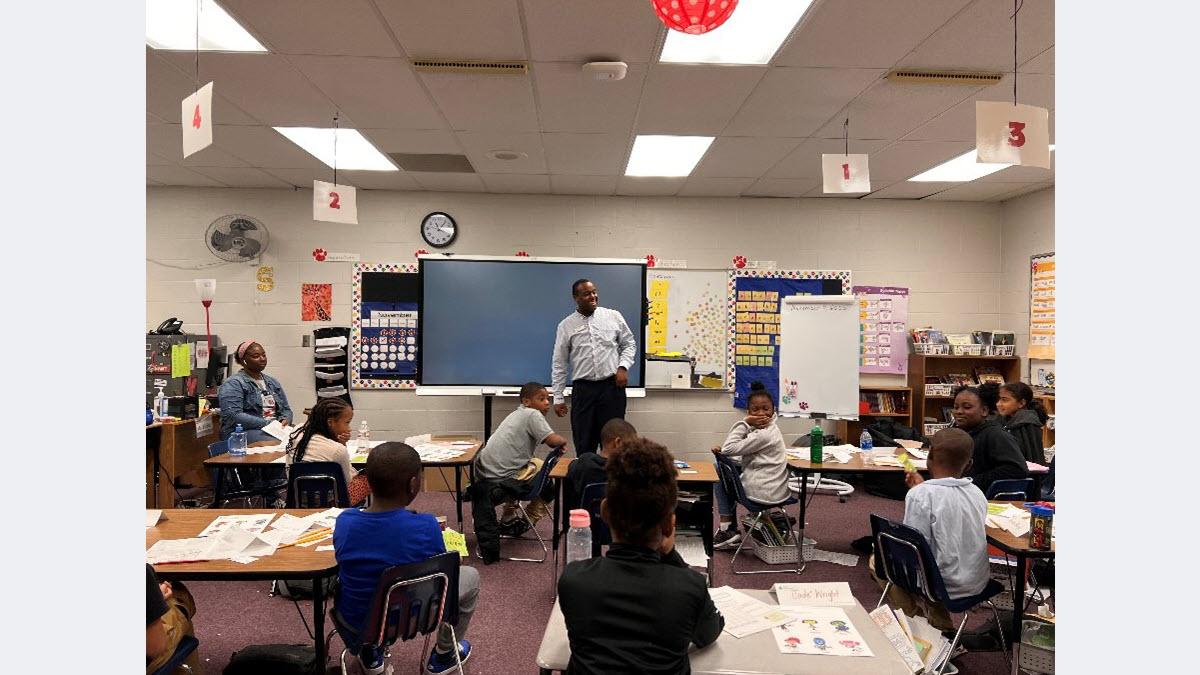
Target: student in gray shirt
(505, 469)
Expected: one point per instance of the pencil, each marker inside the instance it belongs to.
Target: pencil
(316, 535)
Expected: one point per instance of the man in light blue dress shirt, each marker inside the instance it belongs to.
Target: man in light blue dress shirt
(599, 348)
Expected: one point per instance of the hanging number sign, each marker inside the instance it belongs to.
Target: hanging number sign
(197, 120)
(334, 203)
(1012, 134)
(845, 173)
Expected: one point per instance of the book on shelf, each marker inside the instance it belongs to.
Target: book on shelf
(988, 374)
(959, 338)
(960, 379)
(883, 403)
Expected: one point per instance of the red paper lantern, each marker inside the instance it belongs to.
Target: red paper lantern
(693, 17)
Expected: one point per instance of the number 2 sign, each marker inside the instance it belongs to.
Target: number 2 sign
(1012, 134)
(845, 173)
(196, 120)
(335, 203)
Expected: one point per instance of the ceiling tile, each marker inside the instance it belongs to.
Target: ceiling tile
(1028, 189)
(158, 160)
(586, 154)
(377, 180)
(242, 177)
(743, 157)
(448, 182)
(648, 186)
(980, 38)
(864, 33)
(906, 190)
(166, 140)
(380, 93)
(346, 27)
(578, 32)
(177, 175)
(266, 86)
(975, 191)
(958, 122)
(794, 102)
(805, 160)
(264, 148)
(302, 178)
(516, 183)
(479, 143)
(571, 102)
(698, 186)
(903, 160)
(167, 86)
(780, 187)
(583, 185)
(694, 99)
(889, 110)
(1042, 63)
(474, 102)
(819, 193)
(419, 141)
(456, 29)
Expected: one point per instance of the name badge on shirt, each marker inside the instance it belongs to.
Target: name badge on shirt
(268, 402)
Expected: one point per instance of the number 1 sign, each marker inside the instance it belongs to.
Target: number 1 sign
(334, 203)
(1012, 134)
(845, 173)
(197, 120)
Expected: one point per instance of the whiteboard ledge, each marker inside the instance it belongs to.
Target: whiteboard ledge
(830, 416)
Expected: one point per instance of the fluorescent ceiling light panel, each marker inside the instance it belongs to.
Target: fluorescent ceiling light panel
(960, 170)
(171, 24)
(354, 152)
(751, 35)
(666, 155)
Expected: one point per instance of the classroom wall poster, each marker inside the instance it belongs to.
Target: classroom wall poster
(656, 328)
(383, 326)
(316, 302)
(883, 319)
(1041, 306)
(754, 300)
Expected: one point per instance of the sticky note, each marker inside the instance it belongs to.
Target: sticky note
(181, 360)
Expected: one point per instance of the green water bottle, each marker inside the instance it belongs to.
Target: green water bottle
(817, 445)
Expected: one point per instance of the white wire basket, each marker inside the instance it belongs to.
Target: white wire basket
(931, 348)
(782, 555)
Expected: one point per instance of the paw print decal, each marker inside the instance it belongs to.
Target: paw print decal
(522, 254)
(650, 260)
(419, 251)
(739, 261)
(804, 405)
(319, 254)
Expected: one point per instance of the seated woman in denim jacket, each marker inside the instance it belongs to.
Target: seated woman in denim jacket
(252, 398)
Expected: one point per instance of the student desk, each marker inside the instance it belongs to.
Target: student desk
(756, 653)
(1019, 547)
(291, 563)
(699, 477)
(223, 462)
(173, 449)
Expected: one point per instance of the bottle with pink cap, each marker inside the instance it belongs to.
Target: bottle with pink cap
(579, 537)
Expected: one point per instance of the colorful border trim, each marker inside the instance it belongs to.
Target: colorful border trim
(356, 381)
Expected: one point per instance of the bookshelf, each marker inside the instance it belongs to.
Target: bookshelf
(1047, 433)
(900, 408)
(922, 365)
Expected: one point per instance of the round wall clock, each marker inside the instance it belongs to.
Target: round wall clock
(438, 229)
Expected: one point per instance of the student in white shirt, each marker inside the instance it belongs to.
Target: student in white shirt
(322, 438)
(951, 513)
(599, 348)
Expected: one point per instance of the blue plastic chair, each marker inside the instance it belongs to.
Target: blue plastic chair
(316, 485)
(187, 645)
(731, 480)
(410, 600)
(535, 490)
(593, 494)
(904, 558)
(1010, 489)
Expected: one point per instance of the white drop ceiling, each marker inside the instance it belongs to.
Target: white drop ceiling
(772, 122)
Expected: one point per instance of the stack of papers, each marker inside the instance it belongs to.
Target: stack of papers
(691, 549)
(888, 623)
(276, 429)
(229, 543)
(293, 527)
(153, 516)
(1009, 518)
(743, 614)
(436, 452)
(835, 453)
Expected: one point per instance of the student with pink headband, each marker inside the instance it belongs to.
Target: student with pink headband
(252, 398)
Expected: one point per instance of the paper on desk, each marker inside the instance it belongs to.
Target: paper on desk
(263, 449)
(1009, 518)
(276, 429)
(745, 615)
(352, 445)
(253, 524)
(229, 543)
(325, 548)
(825, 631)
(918, 453)
(836, 453)
(463, 443)
(691, 549)
(420, 439)
(434, 452)
(910, 445)
(827, 594)
(152, 517)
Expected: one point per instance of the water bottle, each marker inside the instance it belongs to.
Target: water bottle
(237, 442)
(363, 442)
(816, 446)
(866, 445)
(579, 537)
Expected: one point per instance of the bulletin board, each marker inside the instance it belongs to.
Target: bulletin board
(883, 324)
(753, 318)
(687, 314)
(383, 329)
(1041, 306)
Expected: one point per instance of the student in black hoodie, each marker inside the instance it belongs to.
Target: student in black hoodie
(638, 608)
(1023, 416)
(996, 454)
(589, 467)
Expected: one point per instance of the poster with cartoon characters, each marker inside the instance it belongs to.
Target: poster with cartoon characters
(820, 630)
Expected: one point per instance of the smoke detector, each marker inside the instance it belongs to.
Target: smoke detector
(506, 155)
(605, 70)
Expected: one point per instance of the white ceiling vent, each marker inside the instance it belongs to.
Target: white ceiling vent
(970, 79)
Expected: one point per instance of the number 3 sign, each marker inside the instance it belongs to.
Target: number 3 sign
(197, 120)
(845, 173)
(1012, 134)
(334, 203)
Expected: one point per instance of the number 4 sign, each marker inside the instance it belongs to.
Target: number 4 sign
(1012, 134)
(334, 203)
(197, 120)
(845, 173)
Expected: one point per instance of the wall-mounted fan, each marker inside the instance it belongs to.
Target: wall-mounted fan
(237, 238)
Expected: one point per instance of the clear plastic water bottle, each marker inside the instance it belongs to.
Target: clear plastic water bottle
(866, 445)
(363, 442)
(579, 537)
(237, 442)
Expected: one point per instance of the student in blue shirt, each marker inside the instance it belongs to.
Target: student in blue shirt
(252, 398)
(385, 534)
